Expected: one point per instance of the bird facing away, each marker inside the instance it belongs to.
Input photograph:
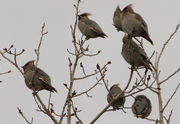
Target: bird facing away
(134, 24)
(141, 106)
(88, 27)
(117, 18)
(113, 92)
(134, 54)
(36, 79)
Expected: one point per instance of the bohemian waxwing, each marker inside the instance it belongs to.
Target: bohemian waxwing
(36, 79)
(141, 106)
(117, 19)
(88, 27)
(114, 91)
(134, 54)
(134, 24)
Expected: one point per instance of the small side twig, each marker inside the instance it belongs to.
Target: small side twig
(21, 113)
(86, 91)
(75, 113)
(170, 76)
(165, 44)
(171, 97)
(5, 72)
(169, 118)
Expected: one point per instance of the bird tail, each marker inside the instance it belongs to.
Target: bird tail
(54, 90)
(103, 35)
(146, 36)
(128, 8)
(147, 66)
(50, 88)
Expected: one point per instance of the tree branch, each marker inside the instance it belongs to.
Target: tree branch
(104, 110)
(166, 79)
(171, 97)
(21, 113)
(166, 43)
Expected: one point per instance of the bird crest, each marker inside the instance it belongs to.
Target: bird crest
(115, 85)
(29, 64)
(118, 8)
(128, 8)
(84, 15)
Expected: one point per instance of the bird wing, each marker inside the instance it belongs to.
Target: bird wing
(43, 76)
(139, 50)
(94, 27)
(140, 19)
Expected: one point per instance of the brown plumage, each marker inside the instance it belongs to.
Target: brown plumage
(117, 19)
(134, 24)
(36, 79)
(114, 91)
(88, 27)
(134, 54)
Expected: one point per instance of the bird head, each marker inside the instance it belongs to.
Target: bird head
(114, 86)
(83, 15)
(28, 66)
(128, 8)
(140, 97)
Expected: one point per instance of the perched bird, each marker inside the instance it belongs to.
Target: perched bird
(117, 18)
(114, 91)
(36, 79)
(88, 27)
(141, 106)
(134, 54)
(134, 24)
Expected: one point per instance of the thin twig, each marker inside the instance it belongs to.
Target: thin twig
(75, 113)
(86, 91)
(169, 118)
(149, 119)
(171, 97)
(89, 75)
(170, 76)
(37, 51)
(49, 100)
(165, 44)
(62, 113)
(21, 113)
(46, 111)
(5, 72)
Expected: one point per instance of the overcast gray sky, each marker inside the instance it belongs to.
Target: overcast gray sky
(20, 25)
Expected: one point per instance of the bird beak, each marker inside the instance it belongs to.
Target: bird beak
(139, 116)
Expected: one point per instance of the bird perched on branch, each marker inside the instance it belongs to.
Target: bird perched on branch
(117, 18)
(141, 106)
(113, 92)
(36, 79)
(134, 54)
(133, 24)
(88, 27)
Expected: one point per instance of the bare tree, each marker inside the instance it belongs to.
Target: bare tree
(141, 83)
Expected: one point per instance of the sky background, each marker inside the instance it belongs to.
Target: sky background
(20, 25)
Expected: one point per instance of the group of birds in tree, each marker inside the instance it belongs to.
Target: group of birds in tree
(133, 25)
(125, 20)
(141, 106)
